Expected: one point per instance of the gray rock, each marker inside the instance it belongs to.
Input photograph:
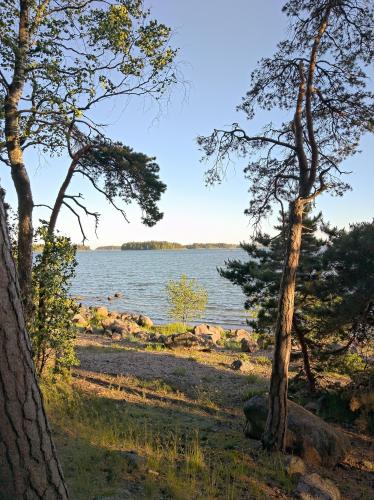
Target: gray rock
(102, 311)
(88, 329)
(294, 465)
(80, 320)
(242, 334)
(209, 332)
(248, 345)
(240, 365)
(144, 321)
(312, 406)
(313, 487)
(134, 460)
(119, 326)
(185, 340)
(309, 436)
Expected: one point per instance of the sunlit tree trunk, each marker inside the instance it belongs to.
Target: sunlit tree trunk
(276, 425)
(29, 468)
(15, 155)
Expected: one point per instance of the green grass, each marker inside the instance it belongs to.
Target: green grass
(262, 360)
(256, 386)
(232, 345)
(170, 328)
(94, 432)
(180, 371)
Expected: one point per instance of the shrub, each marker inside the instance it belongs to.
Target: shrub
(51, 328)
(346, 364)
(187, 299)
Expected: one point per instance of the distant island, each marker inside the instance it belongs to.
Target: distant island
(38, 247)
(168, 245)
(109, 247)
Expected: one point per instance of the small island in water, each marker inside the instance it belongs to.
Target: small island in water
(166, 245)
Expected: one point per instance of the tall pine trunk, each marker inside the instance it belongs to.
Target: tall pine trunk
(274, 437)
(29, 468)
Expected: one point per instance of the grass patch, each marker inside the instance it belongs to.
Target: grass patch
(180, 371)
(256, 387)
(155, 347)
(170, 328)
(232, 345)
(94, 432)
(262, 360)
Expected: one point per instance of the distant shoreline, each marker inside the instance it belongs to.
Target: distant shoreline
(166, 245)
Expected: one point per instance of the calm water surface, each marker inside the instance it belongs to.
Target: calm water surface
(142, 275)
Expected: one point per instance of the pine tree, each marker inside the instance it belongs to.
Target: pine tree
(260, 278)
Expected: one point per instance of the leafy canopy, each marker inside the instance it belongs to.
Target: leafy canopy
(187, 299)
(52, 330)
(80, 53)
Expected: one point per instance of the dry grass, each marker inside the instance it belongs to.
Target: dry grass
(186, 455)
(180, 412)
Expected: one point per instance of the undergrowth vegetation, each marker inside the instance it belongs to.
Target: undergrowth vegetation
(97, 435)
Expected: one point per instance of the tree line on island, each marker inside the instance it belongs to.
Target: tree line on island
(166, 245)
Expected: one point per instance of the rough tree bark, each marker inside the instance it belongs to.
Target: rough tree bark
(274, 437)
(275, 432)
(15, 155)
(29, 468)
(304, 349)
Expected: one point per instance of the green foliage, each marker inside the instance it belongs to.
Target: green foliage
(262, 360)
(79, 54)
(169, 245)
(170, 328)
(118, 172)
(259, 277)
(346, 364)
(187, 299)
(52, 330)
(151, 245)
(334, 290)
(345, 288)
(211, 245)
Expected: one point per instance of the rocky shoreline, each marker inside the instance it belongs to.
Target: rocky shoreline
(121, 325)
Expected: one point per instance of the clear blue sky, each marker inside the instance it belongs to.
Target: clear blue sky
(220, 43)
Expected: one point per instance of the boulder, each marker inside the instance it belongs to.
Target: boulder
(185, 340)
(134, 460)
(309, 436)
(144, 321)
(242, 334)
(209, 332)
(312, 406)
(294, 465)
(114, 314)
(80, 320)
(314, 487)
(102, 311)
(88, 329)
(118, 295)
(119, 326)
(240, 365)
(248, 345)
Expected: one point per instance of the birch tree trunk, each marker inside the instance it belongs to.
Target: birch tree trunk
(274, 437)
(29, 468)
